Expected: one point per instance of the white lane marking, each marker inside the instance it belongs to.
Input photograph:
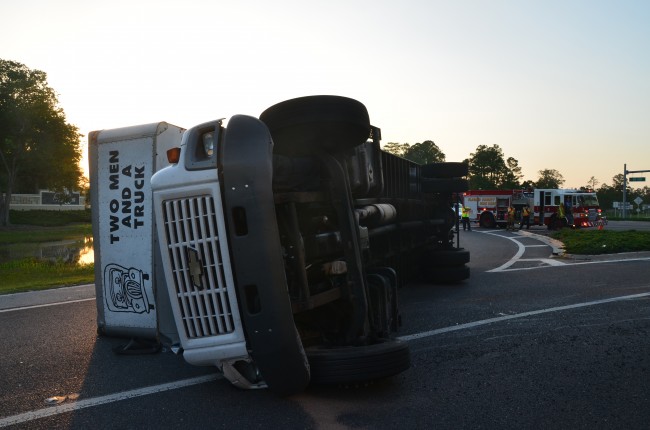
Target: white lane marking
(520, 251)
(96, 401)
(535, 246)
(430, 333)
(22, 308)
(548, 261)
(576, 263)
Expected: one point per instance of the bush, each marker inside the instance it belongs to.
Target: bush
(49, 218)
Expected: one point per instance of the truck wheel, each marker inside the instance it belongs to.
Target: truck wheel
(445, 257)
(444, 185)
(487, 221)
(556, 223)
(444, 170)
(305, 124)
(350, 364)
(446, 274)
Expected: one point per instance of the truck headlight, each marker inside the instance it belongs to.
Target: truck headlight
(202, 144)
(208, 143)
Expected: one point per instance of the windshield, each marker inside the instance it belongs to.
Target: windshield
(587, 200)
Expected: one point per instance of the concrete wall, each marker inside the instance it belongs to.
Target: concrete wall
(45, 200)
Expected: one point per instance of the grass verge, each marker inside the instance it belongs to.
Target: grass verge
(593, 242)
(46, 218)
(35, 234)
(44, 226)
(32, 275)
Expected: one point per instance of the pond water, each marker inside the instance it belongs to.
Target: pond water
(73, 251)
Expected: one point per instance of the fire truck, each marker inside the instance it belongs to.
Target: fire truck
(489, 208)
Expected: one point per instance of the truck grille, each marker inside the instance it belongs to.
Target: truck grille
(592, 214)
(199, 285)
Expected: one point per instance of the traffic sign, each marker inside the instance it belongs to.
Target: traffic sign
(637, 179)
(638, 200)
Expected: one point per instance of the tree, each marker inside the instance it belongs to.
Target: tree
(592, 183)
(396, 148)
(488, 168)
(424, 153)
(607, 196)
(512, 175)
(617, 182)
(549, 178)
(527, 184)
(38, 148)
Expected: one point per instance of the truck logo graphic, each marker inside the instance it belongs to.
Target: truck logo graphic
(124, 289)
(195, 267)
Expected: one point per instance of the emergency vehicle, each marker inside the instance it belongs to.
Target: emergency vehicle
(489, 208)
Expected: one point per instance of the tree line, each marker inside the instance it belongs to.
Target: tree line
(39, 149)
(490, 169)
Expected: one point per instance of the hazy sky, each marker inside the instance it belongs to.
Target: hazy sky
(557, 84)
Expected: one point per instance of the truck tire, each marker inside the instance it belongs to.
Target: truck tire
(487, 220)
(305, 124)
(444, 170)
(445, 257)
(556, 223)
(451, 274)
(351, 364)
(444, 185)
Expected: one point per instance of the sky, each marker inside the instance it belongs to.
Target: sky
(557, 84)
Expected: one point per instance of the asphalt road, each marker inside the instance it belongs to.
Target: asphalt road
(628, 225)
(532, 340)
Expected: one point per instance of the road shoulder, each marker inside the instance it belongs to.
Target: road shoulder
(46, 297)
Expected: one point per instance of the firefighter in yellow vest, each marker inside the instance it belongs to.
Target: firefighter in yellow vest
(511, 219)
(560, 219)
(464, 216)
(560, 211)
(525, 218)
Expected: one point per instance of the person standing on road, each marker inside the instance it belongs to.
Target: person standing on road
(560, 211)
(568, 211)
(525, 218)
(465, 218)
(560, 217)
(511, 219)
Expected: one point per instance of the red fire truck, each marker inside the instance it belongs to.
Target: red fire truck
(489, 208)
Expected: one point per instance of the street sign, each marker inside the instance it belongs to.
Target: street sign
(638, 200)
(637, 179)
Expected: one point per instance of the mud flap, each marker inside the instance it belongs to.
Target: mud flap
(247, 175)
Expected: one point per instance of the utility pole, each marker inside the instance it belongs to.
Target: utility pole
(624, 190)
(638, 179)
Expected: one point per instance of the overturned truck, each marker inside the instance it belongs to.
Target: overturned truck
(285, 238)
